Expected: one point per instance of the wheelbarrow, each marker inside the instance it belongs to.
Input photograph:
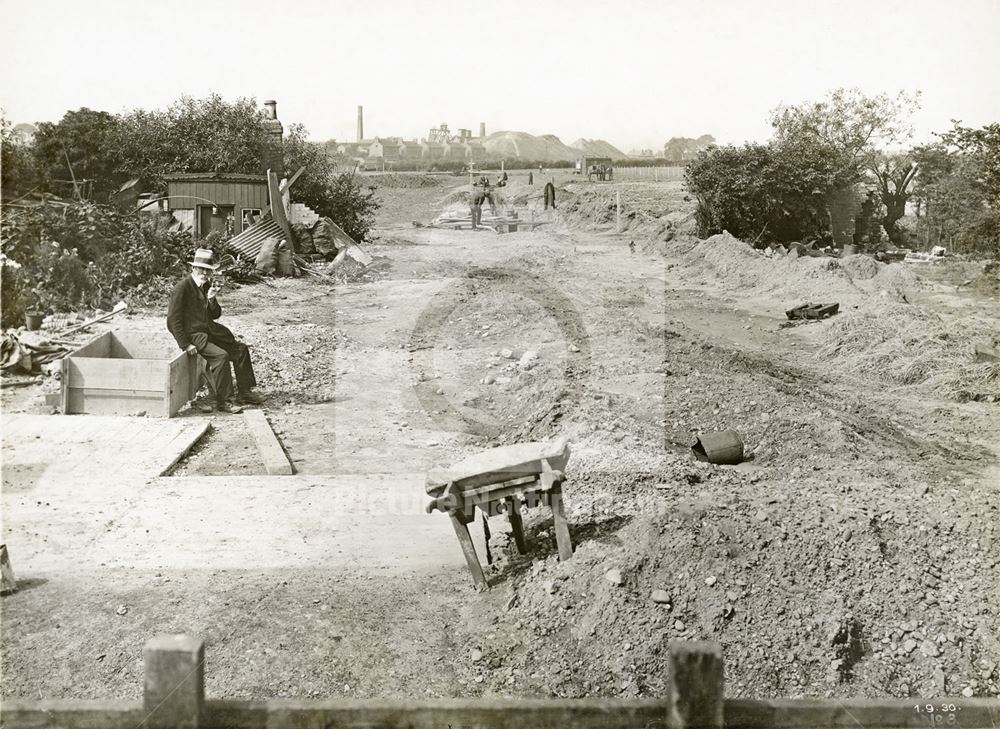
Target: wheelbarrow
(496, 481)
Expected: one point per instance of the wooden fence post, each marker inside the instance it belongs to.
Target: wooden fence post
(174, 693)
(695, 693)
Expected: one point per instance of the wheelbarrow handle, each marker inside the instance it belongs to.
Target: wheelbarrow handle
(445, 502)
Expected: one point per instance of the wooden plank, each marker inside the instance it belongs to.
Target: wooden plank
(277, 208)
(275, 460)
(516, 523)
(118, 374)
(64, 385)
(174, 686)
(146, 345)
(178, 455)
(99, 346)
(560, 525)
(495, 714)
(469, 550)
(498, 713)
(886, 713)
(182, 382)
(112, 402)
(20, 714)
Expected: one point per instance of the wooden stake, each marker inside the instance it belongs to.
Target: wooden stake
(7, 581)
(174, 693)
(695, 684)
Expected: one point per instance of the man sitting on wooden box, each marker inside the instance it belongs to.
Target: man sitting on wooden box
(191, 319)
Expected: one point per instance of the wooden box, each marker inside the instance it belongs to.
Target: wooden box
(123, 373)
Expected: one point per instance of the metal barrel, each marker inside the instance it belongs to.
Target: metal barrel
(725, 447)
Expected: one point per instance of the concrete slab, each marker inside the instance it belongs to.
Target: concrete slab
(371, 525)
(107, 446)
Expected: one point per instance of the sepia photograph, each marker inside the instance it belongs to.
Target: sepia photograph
(509, 365)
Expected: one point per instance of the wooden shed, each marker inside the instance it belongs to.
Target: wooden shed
(224, 202)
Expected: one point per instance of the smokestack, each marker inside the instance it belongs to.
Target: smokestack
(482, 130)
(273, 157)
(361, 123)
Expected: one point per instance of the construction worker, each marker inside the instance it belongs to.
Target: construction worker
(550, 196)
(476, 205)
(481, 191)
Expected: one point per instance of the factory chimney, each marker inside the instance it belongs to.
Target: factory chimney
(482, 130)
(361, 123)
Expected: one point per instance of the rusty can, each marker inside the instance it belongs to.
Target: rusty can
(724, 447)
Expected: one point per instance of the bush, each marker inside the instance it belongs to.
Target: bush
(12, 294)
(763, 193)
(83, 255)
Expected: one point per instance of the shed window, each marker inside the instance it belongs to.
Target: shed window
(250, 216)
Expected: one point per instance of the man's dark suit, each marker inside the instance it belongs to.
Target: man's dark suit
(191, 319)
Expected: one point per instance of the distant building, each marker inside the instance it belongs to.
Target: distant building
(409, 149)
(384, 149)
(431, 150)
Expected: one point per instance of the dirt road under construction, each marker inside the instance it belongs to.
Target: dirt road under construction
(855, 553)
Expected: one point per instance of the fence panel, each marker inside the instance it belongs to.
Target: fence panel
(174, 696)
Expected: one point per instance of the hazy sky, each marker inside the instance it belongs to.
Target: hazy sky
(632, 72)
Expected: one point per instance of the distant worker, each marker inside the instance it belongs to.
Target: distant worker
(550, 196)
(502, 180)
(531, 178)
(611, 173)
(481, 192)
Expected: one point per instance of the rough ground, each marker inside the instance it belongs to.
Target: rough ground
(855, 554)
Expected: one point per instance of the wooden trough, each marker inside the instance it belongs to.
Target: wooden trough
(123, 373)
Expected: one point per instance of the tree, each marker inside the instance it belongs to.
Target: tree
(958, 189)
(894, 174)
(192, 135)
(848, 123)
(682, 149)
(17, 174)
(983, 145)
(76, 156)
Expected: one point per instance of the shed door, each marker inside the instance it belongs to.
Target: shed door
(222, 220)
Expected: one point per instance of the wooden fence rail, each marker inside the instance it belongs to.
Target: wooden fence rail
(174, 696)
(652, 174)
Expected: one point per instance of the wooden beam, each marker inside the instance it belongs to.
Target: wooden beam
(277, 207)
(789, 713)
(287, 184)
(500, 713)
(695, 684)
(23, 714)
(174, 692)
(275, 460)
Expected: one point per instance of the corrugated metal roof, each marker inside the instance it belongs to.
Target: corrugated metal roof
(251, 240)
